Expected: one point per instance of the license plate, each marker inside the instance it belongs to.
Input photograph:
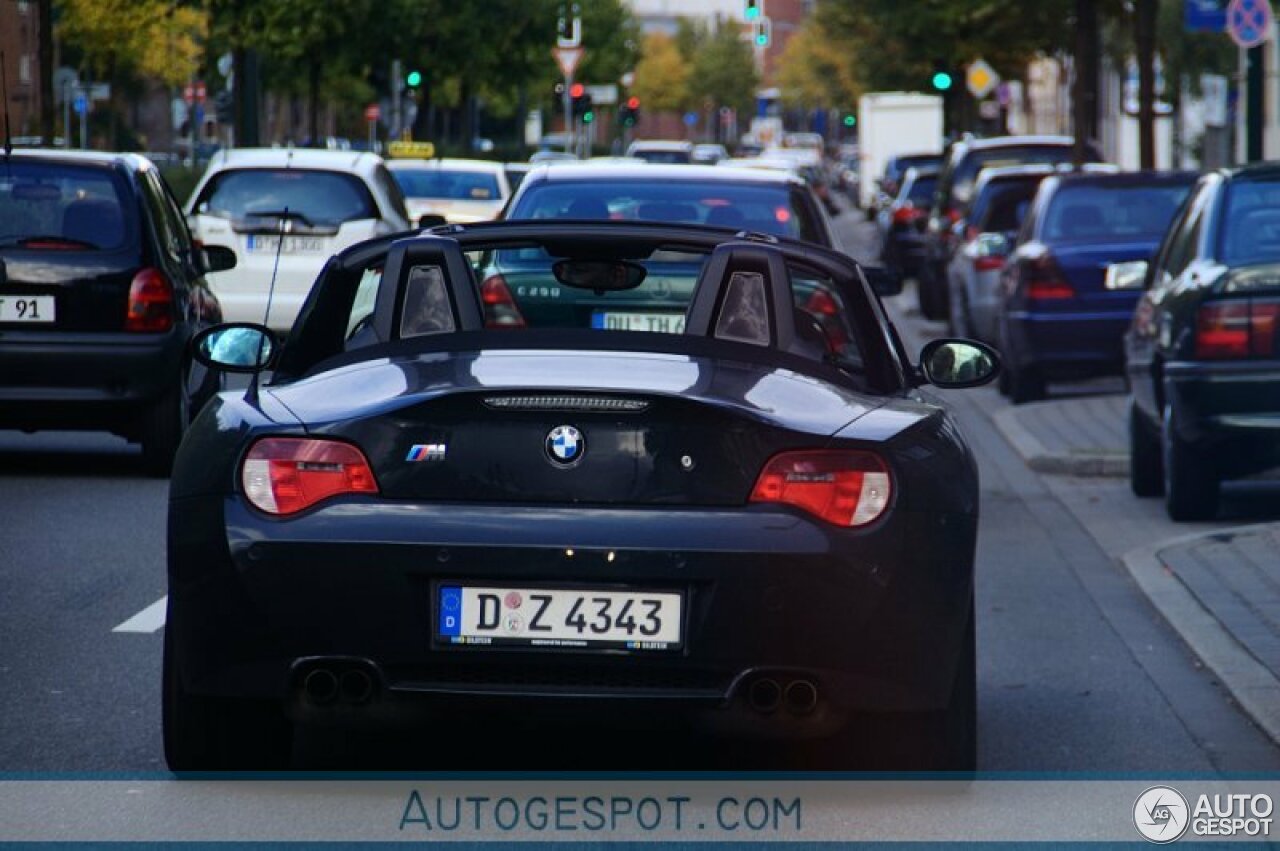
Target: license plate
(292, 244)
(27, 308)
(667, 323)
(560, 619)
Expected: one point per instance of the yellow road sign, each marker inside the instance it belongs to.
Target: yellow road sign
(414, 150)
(981, 78)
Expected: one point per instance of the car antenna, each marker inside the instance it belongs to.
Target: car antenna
(251, 394)
(4, 92)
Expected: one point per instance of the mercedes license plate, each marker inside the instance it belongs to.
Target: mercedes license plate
(560, 619)
(35, 309)
(666, 323)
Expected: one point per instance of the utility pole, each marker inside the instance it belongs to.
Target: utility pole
(1085, 85)
(1144, 24)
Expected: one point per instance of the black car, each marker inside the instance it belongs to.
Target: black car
(1202, 354)
(101, 289)
(747, 528)
(896, 168)
(1059, 315)
(902, 223)
(961, 167)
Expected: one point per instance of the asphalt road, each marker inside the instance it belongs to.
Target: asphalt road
(1077, 672)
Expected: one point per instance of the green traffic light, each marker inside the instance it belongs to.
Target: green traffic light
(942, 81)
(414, 79)
(752, 11)
(588, 117)
(762, 40)
(850, 120)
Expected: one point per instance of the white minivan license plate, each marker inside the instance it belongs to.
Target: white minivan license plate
(27, 308)
(292, 244)
(560, 619)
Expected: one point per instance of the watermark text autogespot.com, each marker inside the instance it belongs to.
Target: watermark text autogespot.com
(601, 814)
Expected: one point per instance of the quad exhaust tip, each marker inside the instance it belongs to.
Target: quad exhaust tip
(801, 697)
(356, 686)
(765, 695)
(321, 686)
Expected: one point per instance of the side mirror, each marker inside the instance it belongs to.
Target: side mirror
(1126, 276)
(218, 258)
(884, 282)
(431, 220)
(953, 363)
(235, 347)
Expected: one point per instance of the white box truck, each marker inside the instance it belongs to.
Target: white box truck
(890, 124)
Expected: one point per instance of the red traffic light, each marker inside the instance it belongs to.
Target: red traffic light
(577, 90)
(633, 102)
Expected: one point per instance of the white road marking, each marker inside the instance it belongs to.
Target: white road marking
(149, 619)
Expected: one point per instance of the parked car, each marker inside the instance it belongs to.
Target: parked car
(618, 509)
(896, 167)
(101, 290)
(321, 201)
(1001, 198)
(661, 151)
(1202, 354)
(709, 154)
(901, 224)
(1059, 314)
(962, 164)
(460, 191)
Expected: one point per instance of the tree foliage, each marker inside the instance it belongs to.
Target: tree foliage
(723, 71)
(120, 39)
(662, 75)
(816, 71)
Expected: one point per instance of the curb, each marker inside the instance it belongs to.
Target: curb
(1040, 459)
(1254, 687)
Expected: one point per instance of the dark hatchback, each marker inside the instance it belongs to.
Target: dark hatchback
(1203, 352)
(964, 161)
(422, 521)
(101, 288)
(1060, 313)
(902, 224)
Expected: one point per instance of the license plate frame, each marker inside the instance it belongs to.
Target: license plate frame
(670, 638)
(22, 309)
(638, 320)
(293, 244)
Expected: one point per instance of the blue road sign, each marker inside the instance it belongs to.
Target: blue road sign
(80, 104)
(690, 118)
(1206, 15)
(1249, 22)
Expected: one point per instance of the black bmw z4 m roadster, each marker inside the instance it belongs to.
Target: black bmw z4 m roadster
(751, 524)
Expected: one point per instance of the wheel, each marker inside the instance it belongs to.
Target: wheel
(946, 740)
(1190, 483)
(929, 293)
(161, 429)
(1025, 383)
(1146, 471)
(216, 734)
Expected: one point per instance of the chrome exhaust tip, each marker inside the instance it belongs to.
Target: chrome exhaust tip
(801, 697)
(765, 695)
(320, 686)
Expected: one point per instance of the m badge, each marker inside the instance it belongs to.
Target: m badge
(427, 452)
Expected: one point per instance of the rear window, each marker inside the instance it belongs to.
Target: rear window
(323, 197)
(663, 157)
(56, 206)
(1105, 213)
(761, 208)
(1002, 206)
(1253, 233)
(897, 166)
(966, 171)
(453, 185)
(920, 192)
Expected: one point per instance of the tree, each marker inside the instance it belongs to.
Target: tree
(662, 75)
(724, 71)
(816, 71)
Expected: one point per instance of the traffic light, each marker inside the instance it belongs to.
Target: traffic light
(751, 9)
(413, 79)
(629, 114)
(942, 79)
(764, 32)
(850, 120)
(581, 103)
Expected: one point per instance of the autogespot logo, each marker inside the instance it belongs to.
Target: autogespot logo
(1160, 814)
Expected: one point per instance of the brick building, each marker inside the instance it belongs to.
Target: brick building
(20, 42)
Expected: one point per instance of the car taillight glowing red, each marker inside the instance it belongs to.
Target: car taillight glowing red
(284, 475)
(846, 488)
(1239, 328)
(1044, 281)
(989, 263)
(500, 310)
(150, 302)
(821, 303)
(907, 214)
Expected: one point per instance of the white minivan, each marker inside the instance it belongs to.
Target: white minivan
(321, 201)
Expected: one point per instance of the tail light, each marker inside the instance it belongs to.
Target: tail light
(500, 309)
(952, 215)
(907, 214)
(989, 263)
(284, 475)
(1237, 329)
(1044, 281)
(150, 302)
(821, 303)
(845, 488)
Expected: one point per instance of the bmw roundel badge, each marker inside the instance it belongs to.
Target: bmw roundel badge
(565, 445)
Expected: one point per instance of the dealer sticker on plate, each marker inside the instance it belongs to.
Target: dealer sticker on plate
(567, 619)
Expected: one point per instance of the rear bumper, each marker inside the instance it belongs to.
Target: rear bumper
(1232, 409)
(872, 622)
(84, 380)
(1069, 343)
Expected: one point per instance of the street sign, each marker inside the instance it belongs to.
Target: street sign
(201, 92)
(415, 150)
(80, 104)
(1205, 16)
(568, 58)
(690, 119)
(372, 112)
(1249, 22)
(981, 78)
(100, 91)
(603, 95)
(189, 94)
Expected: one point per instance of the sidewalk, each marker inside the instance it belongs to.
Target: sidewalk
(1220, 589)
